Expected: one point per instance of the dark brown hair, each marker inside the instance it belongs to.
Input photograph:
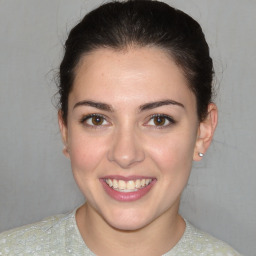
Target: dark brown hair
(118, 25)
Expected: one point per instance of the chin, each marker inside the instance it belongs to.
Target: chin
(128, 221)
(131, 226)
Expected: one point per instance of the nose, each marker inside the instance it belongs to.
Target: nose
(126, 149)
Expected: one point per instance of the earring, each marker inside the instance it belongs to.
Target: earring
(200, 154)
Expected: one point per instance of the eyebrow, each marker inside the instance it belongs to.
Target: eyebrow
(147, 106)
(157, 104)
(98, 105)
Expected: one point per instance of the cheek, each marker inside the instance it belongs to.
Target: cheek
(86, 153)
(173, 154)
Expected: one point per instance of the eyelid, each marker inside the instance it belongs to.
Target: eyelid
(87, 117)
(167, 117)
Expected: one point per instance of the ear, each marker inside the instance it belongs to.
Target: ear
(206, 131)
(64, 133)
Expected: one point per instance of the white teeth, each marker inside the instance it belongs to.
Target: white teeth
(127, 186)
(121, 184)
(137, 183)
(109, 182)
(115, 184)
(130, 184)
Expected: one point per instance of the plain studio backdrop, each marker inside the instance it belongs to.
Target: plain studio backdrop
(36, 179)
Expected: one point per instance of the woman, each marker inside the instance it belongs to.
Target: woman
(135, 111)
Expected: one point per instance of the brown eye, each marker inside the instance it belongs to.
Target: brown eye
(159, 120)
(94, 120)
(97, 120)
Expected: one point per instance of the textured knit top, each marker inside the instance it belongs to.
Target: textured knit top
(59, 235)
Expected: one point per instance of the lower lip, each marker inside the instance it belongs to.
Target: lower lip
(127, 196)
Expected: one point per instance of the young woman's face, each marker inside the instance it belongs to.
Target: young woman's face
(131, 133)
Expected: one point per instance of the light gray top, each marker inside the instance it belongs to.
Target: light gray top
(59, 235)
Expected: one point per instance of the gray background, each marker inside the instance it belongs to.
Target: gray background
(35, 178)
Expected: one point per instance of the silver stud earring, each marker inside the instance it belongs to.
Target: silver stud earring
(200, 154)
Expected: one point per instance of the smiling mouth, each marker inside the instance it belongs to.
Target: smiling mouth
(127, 186)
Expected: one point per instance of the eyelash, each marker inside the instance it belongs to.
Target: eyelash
(85, 119)
(167, 118)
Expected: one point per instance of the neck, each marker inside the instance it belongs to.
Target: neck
(156, 238)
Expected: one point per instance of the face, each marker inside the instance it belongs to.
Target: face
(131, 134)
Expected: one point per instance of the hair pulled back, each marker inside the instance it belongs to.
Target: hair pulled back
(118, 25)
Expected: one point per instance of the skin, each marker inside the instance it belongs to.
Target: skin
(128, 142)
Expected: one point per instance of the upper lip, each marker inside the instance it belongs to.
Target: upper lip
(127, 178)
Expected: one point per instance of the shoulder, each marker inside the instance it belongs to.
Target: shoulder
(34, 238)
(197, 241)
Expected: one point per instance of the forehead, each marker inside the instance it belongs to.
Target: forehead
(132, 58)
(146, 73)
